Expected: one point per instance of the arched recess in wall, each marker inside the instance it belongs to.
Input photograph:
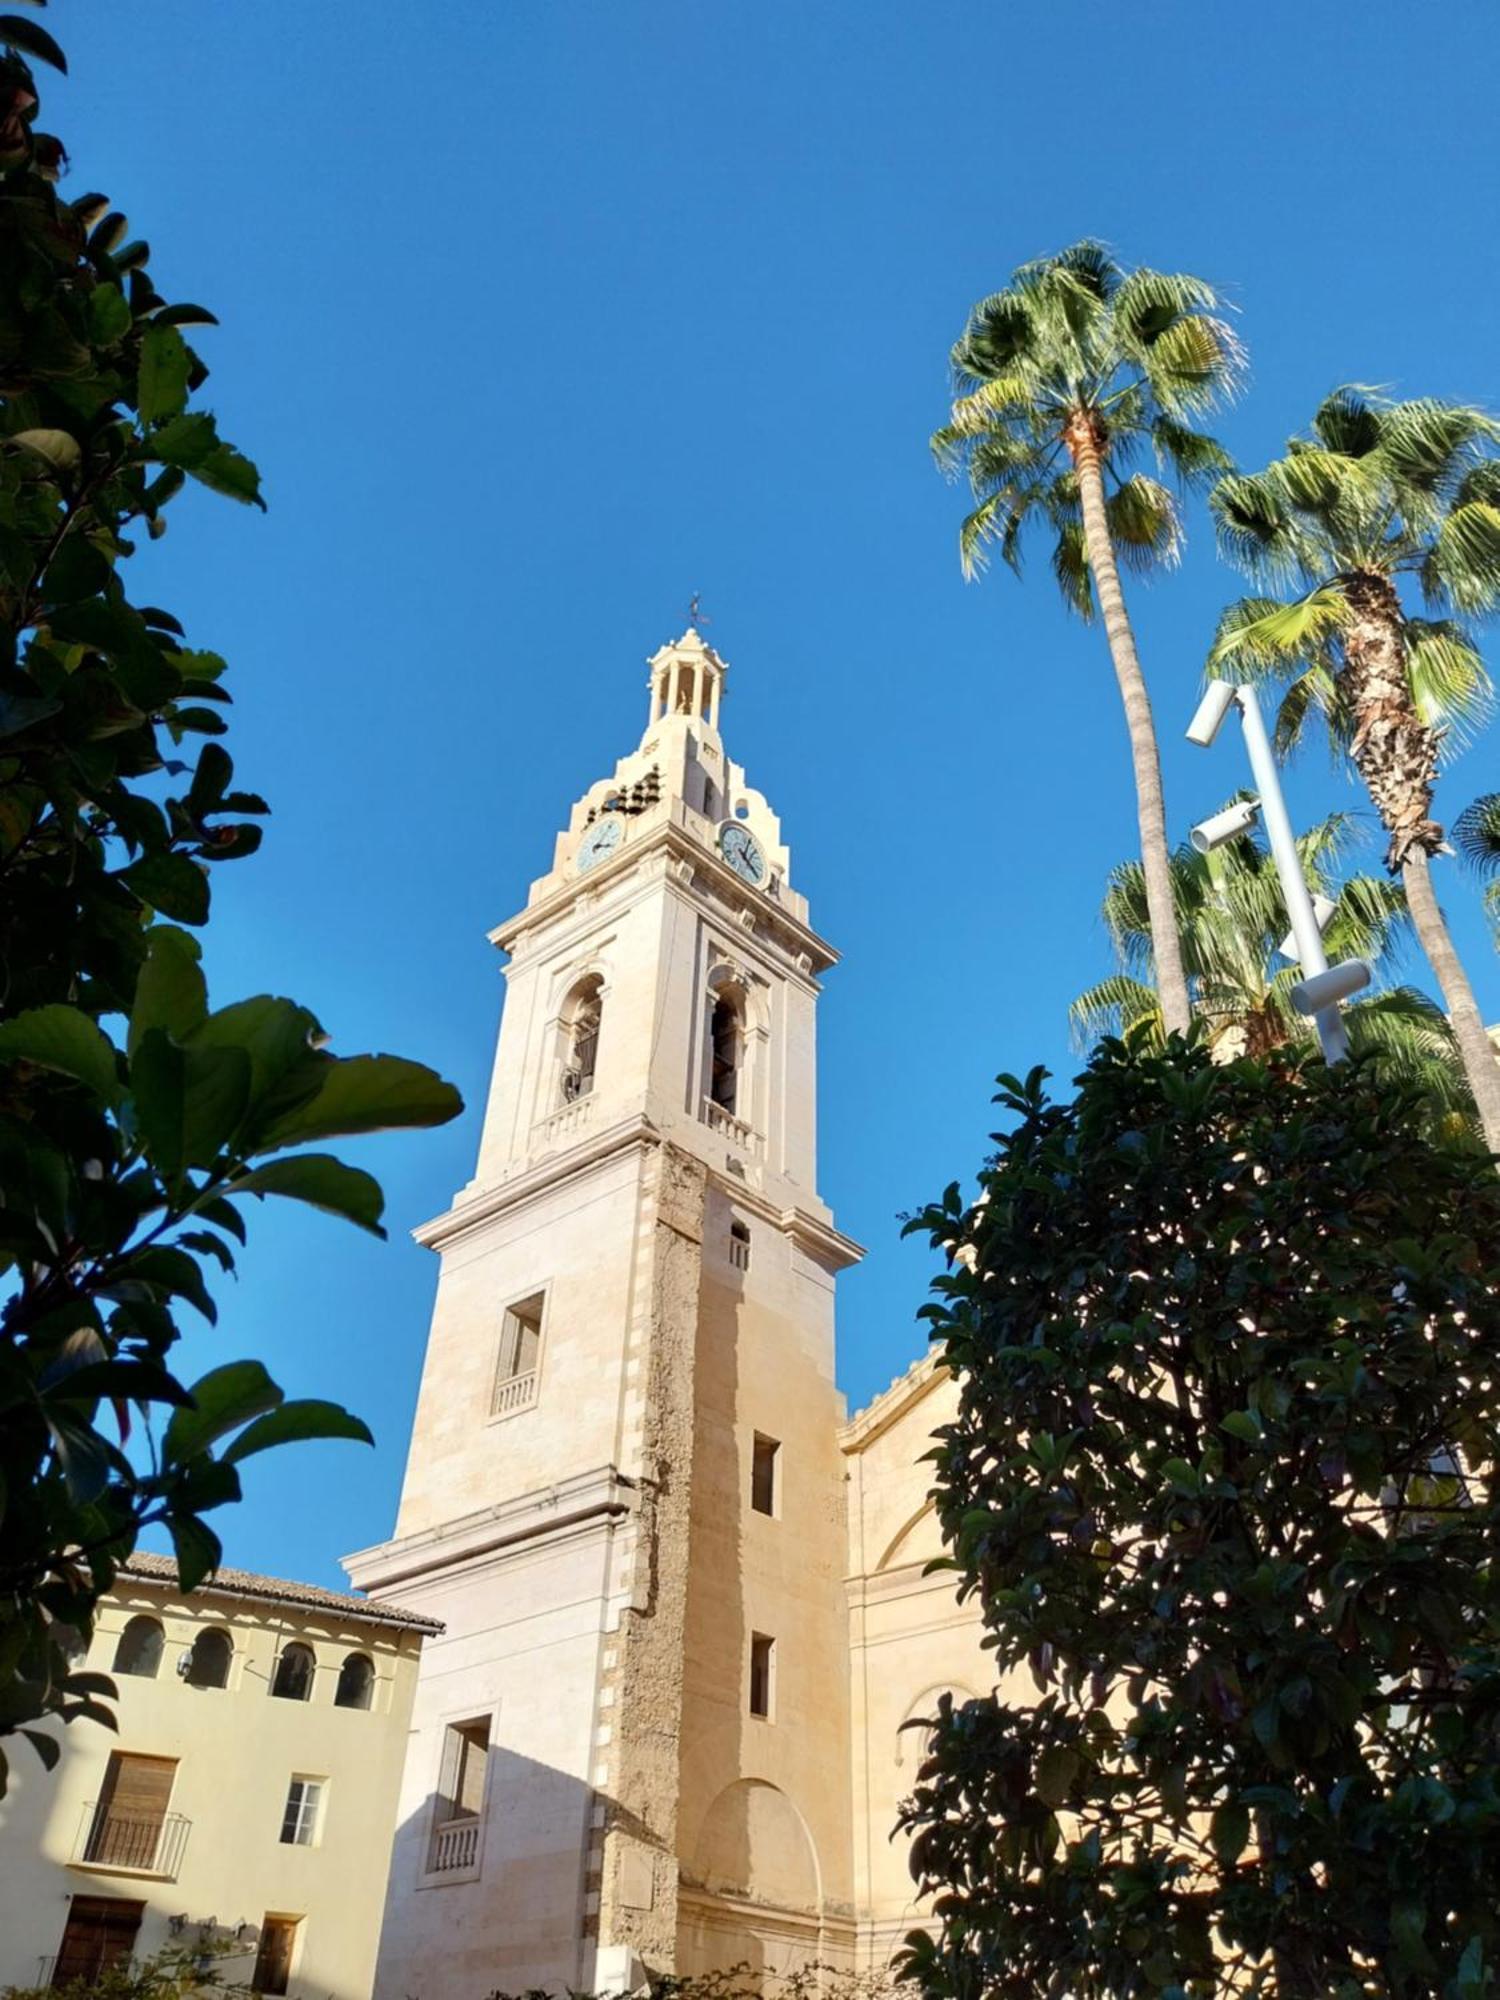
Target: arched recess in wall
(755, 1843)
(919, 1539)
(579, 1022)
(734, 1031)
(911, 1744)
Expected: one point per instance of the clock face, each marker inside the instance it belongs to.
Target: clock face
(742, 851)
(602, 838)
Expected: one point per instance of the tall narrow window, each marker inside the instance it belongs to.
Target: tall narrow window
(299, 1817)
(139, 1648)
(581, 1020)
(460, 1799)
(293, 1678)
(273, 1957)
(763, 1457)
(739, 1245)
(762, 1674)
(725, 1041)
(356, 1686)
(520, 1349)
(131, 1815)
(212, 1652)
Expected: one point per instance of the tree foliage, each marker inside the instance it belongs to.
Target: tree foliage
(135, 1121)
(1222, 1487)
(1476, 834)
(1233, 922)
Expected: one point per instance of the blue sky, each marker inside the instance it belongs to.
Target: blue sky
(539, 316)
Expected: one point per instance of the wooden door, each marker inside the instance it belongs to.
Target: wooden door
(273, 1960)
(100, 1932)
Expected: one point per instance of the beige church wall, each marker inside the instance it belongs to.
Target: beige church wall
(528, 1631)
(576, 1240)
(764, 1829)
(909, 1638)
(237, 1749)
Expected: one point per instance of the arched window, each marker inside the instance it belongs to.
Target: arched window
(356, 1682)
(293, 1677)
(139, 1648)
(581, 1018)
(726, 1044)
(213, 1649)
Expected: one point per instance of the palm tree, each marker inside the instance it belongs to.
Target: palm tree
(1380, 492)
(1063, 381)
(1476, 834)
(1232, 919)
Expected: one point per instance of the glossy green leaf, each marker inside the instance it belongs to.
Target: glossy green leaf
(162, 386)
(366, 1094)
(296, 1422)
(321, 1181)
(223, 1399)
(170, 991)
(63, 1038)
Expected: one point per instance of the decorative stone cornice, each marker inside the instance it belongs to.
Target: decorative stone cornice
(589, 1498)
(635, 1133)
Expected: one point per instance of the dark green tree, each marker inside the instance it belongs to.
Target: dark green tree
(135, 1122)
(1222, 1487)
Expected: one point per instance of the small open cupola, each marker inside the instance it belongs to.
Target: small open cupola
(687, 678)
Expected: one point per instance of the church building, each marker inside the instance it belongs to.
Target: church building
(680, 1593)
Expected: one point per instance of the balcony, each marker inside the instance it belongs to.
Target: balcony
(455, 1846)
(563, 1124)
(131, 1843)
(736, 1130)
(518, 1393)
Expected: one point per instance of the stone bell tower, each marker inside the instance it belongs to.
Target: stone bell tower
(624, 1494)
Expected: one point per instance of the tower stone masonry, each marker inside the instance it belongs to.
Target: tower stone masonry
(683, 1604)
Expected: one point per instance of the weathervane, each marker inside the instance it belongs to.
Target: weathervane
(696, 618)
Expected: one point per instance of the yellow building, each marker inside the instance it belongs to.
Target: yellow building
(247, 1800)
(660, 1728)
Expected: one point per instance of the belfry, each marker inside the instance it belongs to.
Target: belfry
(665, 1565)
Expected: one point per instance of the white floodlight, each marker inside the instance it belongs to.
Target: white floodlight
(1215, 705)
(1238, 818)
(1322, 915)
(1327, 989)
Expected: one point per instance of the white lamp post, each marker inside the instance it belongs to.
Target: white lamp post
(1323, 987)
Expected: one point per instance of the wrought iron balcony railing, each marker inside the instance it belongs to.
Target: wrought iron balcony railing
(140, 1843)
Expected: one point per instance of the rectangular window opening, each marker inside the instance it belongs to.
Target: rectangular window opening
(739, 1245)
(273, 1956)
(100, 1932)
(763, 1468)
(520, 1350)
(299, 1820)
(460, 1800)
(130, 1817)
(762, 1674)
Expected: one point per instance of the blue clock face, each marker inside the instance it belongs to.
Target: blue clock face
(602, 838)
(742, 851)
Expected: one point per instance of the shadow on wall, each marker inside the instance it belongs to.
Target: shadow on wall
(494, 1899)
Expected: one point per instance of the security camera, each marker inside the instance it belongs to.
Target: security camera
(1322, 914)
(1211, 712)
(1238, 818)
(1326, 989)
(185, 1663)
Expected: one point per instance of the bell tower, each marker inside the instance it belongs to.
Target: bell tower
(624, 1492)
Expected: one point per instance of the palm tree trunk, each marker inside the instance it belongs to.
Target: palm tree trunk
(1480, 1061)
(1166, 949)
(1396, 755)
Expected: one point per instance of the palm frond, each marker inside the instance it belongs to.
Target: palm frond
(1143, 523)
(999, 398)
(1476, 834)
(1263, 637)
(1192, 456)
(1463, 566)
(1113, 1006)
(1346, 423)
(1257, 531)
(1427, 445)
(1314, 692)
(1070, 565)
(997, 335)
(1449, 681)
